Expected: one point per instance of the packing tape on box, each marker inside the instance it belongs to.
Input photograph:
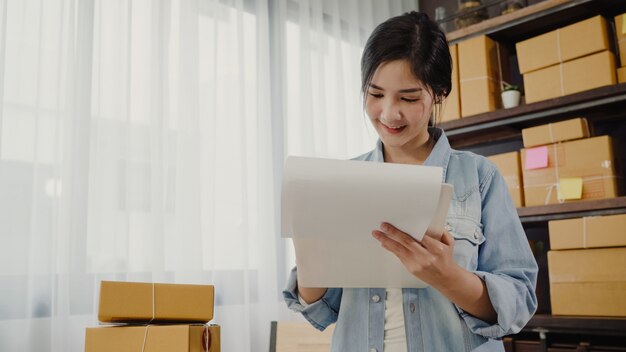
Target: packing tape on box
(145, 333)
(551, 134)
(584, 232)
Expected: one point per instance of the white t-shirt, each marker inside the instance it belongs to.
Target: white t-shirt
(395, 334)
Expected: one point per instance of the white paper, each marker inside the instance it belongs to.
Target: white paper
(330, 207)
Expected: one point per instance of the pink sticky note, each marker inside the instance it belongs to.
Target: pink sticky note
(536, 158)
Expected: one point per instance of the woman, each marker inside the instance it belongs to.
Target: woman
(481, 272)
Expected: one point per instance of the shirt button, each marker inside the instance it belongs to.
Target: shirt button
(375, 298)
(412, 307)
(373, 350)
(448, 227)
(476, 235)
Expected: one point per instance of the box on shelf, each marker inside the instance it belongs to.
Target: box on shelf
(596, 277)
(589, 72)
(588, 232)
(620, 33)
(452, 104)
(132, 302)
(555, 132)
(509, 166)
(621, 73)
(564, 44)
(483, 64)
(592, 160)
(159, 338)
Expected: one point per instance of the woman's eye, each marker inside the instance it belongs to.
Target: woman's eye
(410, 100)
(376, 95)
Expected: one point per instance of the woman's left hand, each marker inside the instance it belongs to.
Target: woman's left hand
(430, 260)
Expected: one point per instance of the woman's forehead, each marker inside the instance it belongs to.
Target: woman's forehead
(395, 75)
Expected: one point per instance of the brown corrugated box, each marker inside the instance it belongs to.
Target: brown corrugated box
(159, 338)
(588, 232)
(555, 132)
(564, 44)
(620, 32)
(452, 103)
(596, 277)
(621, 74)
(589, 72)
(509, 166)
(483, 63)
(592, 159)
(132, 302)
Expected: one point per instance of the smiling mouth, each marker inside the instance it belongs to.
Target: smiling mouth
(394, 129)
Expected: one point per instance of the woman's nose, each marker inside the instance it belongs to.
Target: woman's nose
(391, 111)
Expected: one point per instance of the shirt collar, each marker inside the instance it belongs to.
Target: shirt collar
(439, 156)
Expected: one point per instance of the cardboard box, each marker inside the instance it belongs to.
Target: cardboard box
(591, 159)
(620, 33)
(483, 64)
(555, 132)
(621, 74)
(589, 72)
(594, 71)
(452, 104)
(132, 302)
(509, 166)
(589, 298)
(564, 44)
(159, 338)
(596, 277)
(588, 232)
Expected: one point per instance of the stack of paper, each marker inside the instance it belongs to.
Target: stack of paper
(331, 207)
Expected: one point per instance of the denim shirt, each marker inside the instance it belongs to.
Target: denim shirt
(489, 241)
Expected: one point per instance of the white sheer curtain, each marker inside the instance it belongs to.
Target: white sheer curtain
(143, 140)
(322, 42)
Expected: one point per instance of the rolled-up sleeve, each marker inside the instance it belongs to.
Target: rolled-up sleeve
(505, 263)
(321, 313)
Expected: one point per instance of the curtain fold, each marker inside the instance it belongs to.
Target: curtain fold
(143, 140)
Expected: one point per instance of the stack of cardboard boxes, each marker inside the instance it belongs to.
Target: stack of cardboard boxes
(565, 61)
(479, 65)
(587, 266)
(568, 60)
(154, 318)
(560, 163)
(620, 33)
(452, 104)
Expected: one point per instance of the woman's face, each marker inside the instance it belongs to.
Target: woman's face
(399, 105)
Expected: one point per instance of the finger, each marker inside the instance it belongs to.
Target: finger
(433, 246)
(390, 244)
(398, 235)
(447, 238)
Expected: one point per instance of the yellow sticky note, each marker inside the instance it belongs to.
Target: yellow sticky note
(571, 188)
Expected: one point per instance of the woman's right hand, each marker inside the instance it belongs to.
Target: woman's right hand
(311, 294)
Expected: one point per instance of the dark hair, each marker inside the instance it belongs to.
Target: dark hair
(413, 37)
